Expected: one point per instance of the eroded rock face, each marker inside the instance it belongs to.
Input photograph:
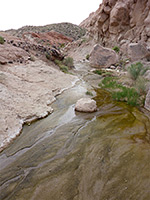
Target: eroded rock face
(86, 105)
(102, 57)
(26, 92)
(120, 21)
(10, 54)
(51, 37)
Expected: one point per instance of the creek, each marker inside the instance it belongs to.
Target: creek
(80, 156)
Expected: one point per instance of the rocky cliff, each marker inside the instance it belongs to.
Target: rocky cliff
(120, 22)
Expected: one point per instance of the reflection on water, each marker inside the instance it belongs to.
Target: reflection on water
(78, 156)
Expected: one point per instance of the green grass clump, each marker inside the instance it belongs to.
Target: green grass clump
(89, 93)
(58, 62)
(68, 61)
(97, 71)
(116, 49)
(120, 92)
(102, 72)
(135, 70)
(109, 82)
(64, 68)
(87, 56)
(129, 95)
(140, 85)
(2, 40)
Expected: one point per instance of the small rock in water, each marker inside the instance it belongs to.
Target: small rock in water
(112, 67)
(86, 105)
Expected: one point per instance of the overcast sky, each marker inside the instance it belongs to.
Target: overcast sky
(18, 13)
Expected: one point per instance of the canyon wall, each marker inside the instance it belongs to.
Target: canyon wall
(120, 22)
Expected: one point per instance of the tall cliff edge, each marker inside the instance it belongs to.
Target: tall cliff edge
(118, 22)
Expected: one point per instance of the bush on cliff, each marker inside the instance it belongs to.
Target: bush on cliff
(2, 40)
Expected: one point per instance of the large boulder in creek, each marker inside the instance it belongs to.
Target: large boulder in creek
(147, 101)
(86, 105)
(138, 51)
(102, 57)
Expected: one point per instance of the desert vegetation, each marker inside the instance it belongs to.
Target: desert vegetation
(134, 95)
(2, 40)
(116, 49)
(65, 64)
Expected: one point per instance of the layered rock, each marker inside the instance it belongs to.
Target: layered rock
(51, 38)
(26, 92)
(10, 54)
(20, 50)
(120, 22)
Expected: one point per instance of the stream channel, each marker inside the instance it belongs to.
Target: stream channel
(79, 156)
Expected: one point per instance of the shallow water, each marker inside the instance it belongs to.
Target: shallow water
(78, 156)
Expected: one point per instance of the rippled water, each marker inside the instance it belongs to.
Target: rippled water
(78, 156)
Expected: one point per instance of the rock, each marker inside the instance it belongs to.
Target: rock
(86, 105)
(127, 20)
(138, 51)
(102, 57)
(147, 75)
(51, 37)
(147, 101)
(112, 67)
(9, 53)
(26, 95)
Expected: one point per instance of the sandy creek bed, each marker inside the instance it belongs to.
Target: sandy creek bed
(77, 156)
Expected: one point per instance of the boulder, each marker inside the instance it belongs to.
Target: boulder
(137, 51)
(86, 105)
(102, 57)
(147, 101)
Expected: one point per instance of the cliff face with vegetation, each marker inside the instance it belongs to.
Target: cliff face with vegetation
(120, 22)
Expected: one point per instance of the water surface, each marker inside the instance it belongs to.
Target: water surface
(78, 156)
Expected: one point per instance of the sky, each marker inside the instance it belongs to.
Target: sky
(17, 13)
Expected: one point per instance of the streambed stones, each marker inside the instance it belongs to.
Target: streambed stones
(86, 105)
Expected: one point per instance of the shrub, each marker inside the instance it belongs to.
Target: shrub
(87, 56)
(57, 62)
(68, 62)
(135, 70)
(63, 68)
(120, 92)
(2, 40)
(126, 94)
(109, 82)
(62, 45)
(97, 71)
(48, 56)
(116, 49)
(141, 85)
(89, 93)
(102, 72)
